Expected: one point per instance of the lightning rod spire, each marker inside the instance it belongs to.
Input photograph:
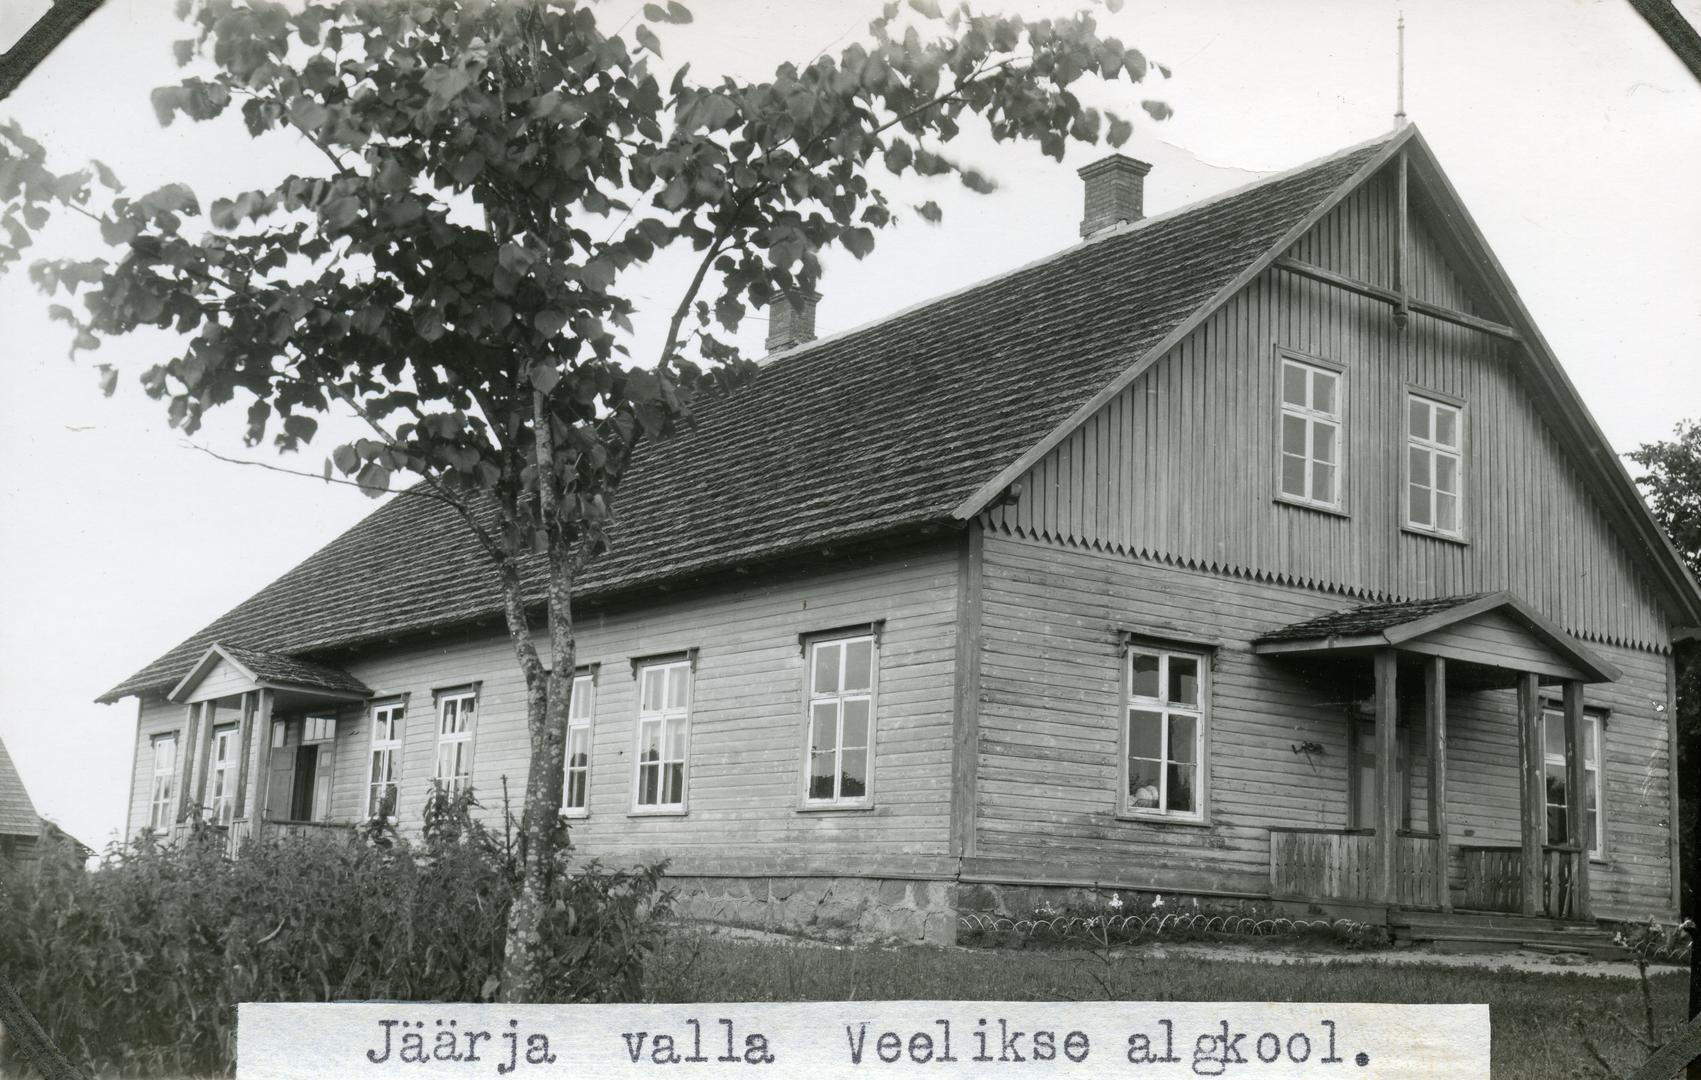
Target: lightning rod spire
(1400, 78)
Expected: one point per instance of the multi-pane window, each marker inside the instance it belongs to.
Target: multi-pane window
(1311, 434)
(162, 802)
(575, 792)
(1553, 732)
(1434, 435)
(386, 773)
(456, 715)
(222, 772)
(1165, 736)
(664, 728)
(841, 720)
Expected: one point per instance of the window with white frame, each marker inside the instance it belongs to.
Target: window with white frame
(1165, 734)
(576, 790)
(1558, 779)
(162, 792)
(664, 732)
(382, 785)
(222, 770)
(456, 717)
(841, 721)
(1311, 434)
(1434, 441)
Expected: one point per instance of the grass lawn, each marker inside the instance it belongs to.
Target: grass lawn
(1531, 1014)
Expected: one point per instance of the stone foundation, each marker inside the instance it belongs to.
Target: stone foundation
(884, 908)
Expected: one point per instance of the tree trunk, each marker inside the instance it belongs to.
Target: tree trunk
(543, 832)
(32, 1043)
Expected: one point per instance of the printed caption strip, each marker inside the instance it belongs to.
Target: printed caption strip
(829, 1040)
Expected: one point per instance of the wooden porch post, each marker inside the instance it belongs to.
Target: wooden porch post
(1532, 800)
(260, 777)
(204, 714)
(1435, 724)
(1576, 816)
(1387, 810)
(186, 759)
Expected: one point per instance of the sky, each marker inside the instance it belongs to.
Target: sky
(1571, 132)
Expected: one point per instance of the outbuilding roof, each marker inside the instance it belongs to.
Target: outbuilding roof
(17, 812)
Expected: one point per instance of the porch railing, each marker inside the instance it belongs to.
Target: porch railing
(241, 830)
(1494, 879)
(232, 835)
(1343, 864)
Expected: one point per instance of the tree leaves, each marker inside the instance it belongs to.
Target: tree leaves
(675, 12)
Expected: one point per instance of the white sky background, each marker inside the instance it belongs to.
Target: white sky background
(1571, 132)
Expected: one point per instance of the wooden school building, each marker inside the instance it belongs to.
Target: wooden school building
(1256, 550)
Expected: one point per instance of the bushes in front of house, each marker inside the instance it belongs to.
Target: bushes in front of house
(136, 967)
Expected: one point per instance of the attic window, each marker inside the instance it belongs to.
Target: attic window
(1311, 455)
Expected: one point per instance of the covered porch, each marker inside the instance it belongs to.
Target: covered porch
(1404, 666)
(252, 720)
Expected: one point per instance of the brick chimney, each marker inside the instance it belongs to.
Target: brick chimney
(791, 319)
(1115, 192)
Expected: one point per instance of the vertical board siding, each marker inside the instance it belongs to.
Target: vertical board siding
(1051, 685)
(1196, 452)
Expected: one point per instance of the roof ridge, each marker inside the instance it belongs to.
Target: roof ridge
(1106, 235)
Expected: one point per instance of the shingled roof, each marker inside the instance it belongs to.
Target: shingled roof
(865, 434)
(17, 812)
(1368, 618)
(273, 669)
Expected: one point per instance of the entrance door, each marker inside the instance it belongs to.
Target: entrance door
(305, 781)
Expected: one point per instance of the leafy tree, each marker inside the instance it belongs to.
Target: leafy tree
(459, 273)
(1672, 483)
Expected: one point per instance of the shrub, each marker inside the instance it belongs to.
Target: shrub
(137, 966)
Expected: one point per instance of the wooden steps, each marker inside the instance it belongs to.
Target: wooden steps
(1480, 932)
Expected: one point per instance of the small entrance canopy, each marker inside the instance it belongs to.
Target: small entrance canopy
(1472, 642)
(225, 670)
(1492, 630)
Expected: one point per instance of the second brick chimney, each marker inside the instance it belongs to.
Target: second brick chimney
(1115, 192)
(791, 319)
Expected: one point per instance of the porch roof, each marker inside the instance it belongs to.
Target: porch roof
(272, 670)
(1498, 629)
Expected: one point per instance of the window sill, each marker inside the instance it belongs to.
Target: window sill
(1431, 534)
(575, 815)
(657, 811)
(1301, 504)
(1160, 819)
(835, 808)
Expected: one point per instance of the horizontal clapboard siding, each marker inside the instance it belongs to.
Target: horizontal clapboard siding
(1182, 465)
(746, 728)
(1049, 740)
(156, 717)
